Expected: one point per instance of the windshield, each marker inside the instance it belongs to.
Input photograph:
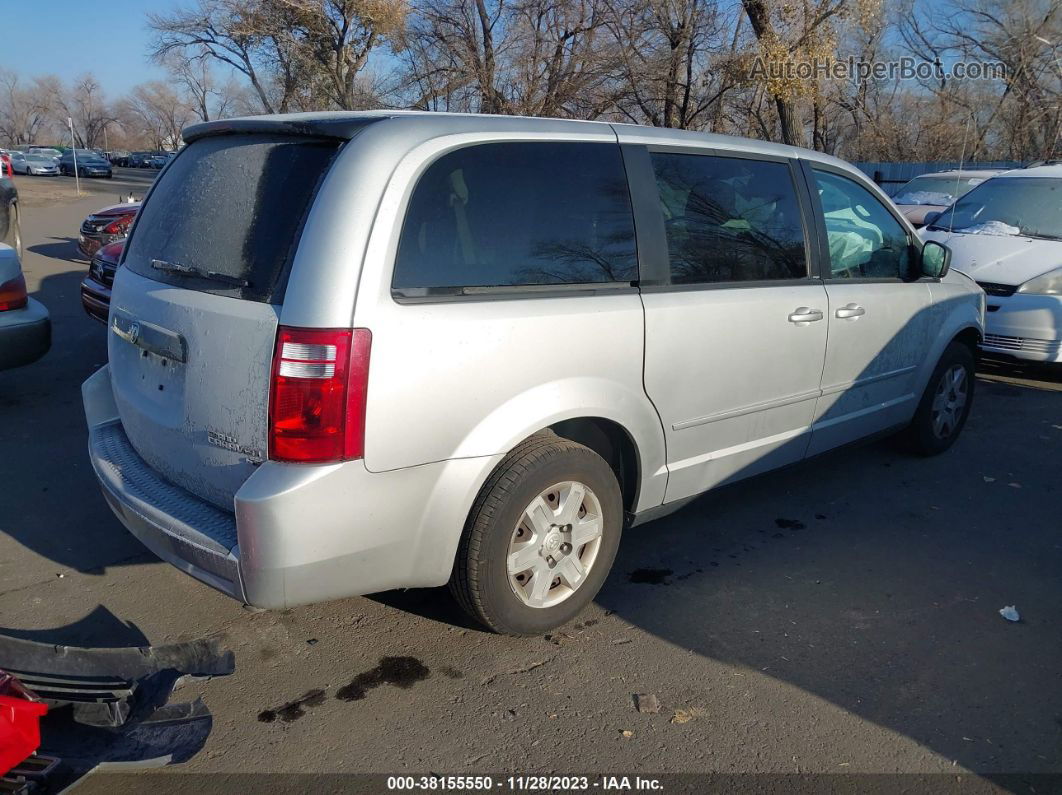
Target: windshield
(1030, 206)
(940, 191)
(39, 158)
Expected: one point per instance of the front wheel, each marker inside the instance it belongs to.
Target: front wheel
(945, 404)
(540, 539)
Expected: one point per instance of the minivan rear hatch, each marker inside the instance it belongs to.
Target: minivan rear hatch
(196, 300)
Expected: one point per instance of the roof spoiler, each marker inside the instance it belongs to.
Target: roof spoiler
(341, 126)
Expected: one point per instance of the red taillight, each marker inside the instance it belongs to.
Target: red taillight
(118, 226)
(13, 294)
(317, 398)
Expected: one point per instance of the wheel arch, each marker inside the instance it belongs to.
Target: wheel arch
(970, 336)
(614, 444)
(602, 414)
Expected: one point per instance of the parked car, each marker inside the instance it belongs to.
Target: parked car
(25, 328)
(10, 218)
(96, 286)
(157, 160)
(452, 360)
(931, 193)
(34, 164)
(1007, 234)
(120, 159)
(87, 163)
(105, 226)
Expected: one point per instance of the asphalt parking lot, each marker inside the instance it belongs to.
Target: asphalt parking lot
(838, 617)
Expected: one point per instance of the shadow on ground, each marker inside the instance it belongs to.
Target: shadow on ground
(63, 249)
(97, 630)
(57, 511)
(873, 579)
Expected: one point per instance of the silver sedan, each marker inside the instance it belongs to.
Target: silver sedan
(33, 164)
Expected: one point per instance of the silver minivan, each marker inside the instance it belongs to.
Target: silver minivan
(352, 352)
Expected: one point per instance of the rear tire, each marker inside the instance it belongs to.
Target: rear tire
(945, 404)
(551, 514)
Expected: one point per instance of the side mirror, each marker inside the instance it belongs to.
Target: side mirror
(931, 218)
(935, 259)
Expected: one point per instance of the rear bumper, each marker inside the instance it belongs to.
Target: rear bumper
(195, 537)
(1025, 326)
(25, 335)
(297, 533)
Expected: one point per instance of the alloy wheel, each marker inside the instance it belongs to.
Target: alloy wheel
(949, 401)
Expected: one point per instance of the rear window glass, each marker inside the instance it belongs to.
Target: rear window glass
(510, 214)
(226, 214)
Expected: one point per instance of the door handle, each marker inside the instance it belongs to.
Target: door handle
(850, 311)
(804, 314)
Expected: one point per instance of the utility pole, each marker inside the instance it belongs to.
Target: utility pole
(73, 148)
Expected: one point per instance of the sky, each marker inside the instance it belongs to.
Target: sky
(71, 37)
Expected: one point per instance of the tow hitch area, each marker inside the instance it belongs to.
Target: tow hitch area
(64, 710)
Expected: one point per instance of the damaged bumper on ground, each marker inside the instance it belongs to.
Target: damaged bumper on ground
(109, 705)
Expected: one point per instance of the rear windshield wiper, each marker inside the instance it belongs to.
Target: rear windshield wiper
(198, 273)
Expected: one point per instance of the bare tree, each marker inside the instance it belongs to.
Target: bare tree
(530, 57)
(160, 111)
(230, 32)
(85, 104)
(675, 61)
(26, 110)
(337, 36)
(1025, 36)
(191, 74)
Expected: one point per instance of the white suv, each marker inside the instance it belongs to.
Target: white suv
(362, 351)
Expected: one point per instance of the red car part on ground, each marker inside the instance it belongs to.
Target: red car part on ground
(20, 731)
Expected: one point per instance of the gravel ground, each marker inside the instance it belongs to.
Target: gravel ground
(837, 617)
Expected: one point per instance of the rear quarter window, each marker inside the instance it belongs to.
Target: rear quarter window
(516, 214)
(226, 214)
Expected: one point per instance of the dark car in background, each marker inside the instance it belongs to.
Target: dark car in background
(105, 226)
(87, 164)
(96, 286)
